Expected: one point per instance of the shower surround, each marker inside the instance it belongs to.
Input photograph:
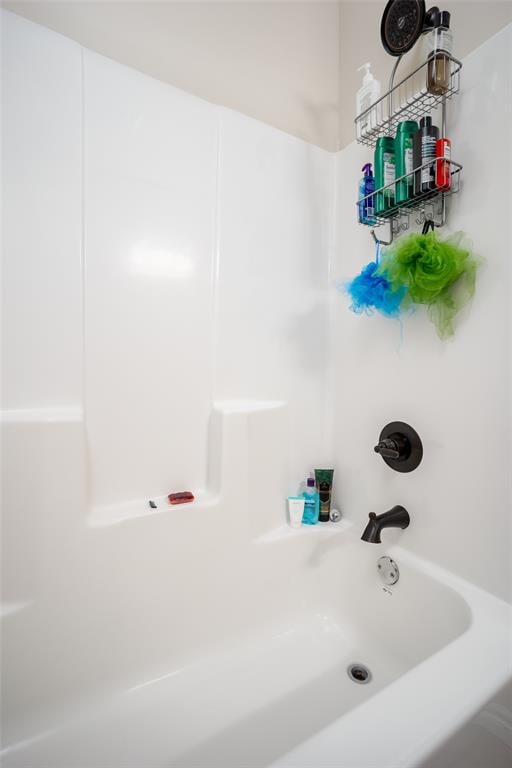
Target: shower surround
(172, 322)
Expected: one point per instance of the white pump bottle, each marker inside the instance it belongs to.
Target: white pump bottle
(367, 95)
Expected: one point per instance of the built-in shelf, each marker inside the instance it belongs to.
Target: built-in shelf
(53, 415)
(285, 531)
(136, 509)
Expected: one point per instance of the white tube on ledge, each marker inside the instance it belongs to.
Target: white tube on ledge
(295, 511)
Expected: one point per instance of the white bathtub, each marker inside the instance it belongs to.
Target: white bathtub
(276, 692)
(212, 636)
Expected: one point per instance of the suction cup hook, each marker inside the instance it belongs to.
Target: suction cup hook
(400, 446)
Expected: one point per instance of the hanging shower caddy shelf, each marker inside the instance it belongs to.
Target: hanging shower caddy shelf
(409, 99)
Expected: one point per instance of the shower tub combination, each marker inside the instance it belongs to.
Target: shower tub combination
(151, 638)
(261, 631)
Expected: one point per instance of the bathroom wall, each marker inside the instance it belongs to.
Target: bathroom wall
(275, 61)
(210, 284)
(41, 167)
(290, 64)
(205, 280)
(150, 165)
(204, 249)
(165, 327)
(274, 233)
(455, 393)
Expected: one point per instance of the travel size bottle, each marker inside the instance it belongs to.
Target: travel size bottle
(439, 46)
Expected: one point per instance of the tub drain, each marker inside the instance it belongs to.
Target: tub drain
(358, 673)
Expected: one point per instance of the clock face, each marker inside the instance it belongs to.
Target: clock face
(402, 24)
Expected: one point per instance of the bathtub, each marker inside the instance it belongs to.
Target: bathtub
(275, 690)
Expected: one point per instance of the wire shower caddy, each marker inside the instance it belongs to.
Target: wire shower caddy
(409, 99)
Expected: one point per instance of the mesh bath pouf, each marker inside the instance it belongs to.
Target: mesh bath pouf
(371, 290)
(437, 273)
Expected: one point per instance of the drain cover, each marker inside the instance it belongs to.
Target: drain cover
(358, 673)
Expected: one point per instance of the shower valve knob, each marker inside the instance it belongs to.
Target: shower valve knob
(400, 446)
(388, 448)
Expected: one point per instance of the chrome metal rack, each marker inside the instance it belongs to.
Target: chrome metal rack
(409, 99)
(416, 203)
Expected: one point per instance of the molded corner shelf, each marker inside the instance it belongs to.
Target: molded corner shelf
(286, 532)
(113, 514)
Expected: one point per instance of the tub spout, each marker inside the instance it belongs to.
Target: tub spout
(396, 517)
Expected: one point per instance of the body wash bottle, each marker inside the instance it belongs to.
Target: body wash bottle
(311, 503)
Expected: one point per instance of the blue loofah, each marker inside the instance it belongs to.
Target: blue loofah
(370, 291)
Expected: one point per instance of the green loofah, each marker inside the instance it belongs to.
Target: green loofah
(438, 273)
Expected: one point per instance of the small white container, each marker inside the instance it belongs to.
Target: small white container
(295, 511)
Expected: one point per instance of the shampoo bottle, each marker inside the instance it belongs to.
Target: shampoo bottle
(311, 503)
(367, 95)
(404, 159)
(384, 173)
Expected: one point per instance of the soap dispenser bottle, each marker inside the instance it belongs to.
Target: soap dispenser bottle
(367, 95)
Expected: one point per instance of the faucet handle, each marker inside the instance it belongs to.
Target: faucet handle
(400, 446)
(388, 448)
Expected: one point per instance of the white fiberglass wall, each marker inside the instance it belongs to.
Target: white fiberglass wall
(198, 239)
(164, 327)
(455, 393)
